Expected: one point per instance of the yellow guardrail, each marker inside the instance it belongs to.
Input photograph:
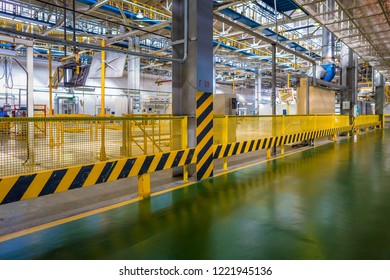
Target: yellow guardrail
(65, 141)
(68, 141)
(229, 129)
(69, 152)
(386, 118)
(363, 120)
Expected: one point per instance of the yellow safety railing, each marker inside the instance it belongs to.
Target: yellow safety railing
(366, 119)
(78, 140)
(386, 119)
(229, 129)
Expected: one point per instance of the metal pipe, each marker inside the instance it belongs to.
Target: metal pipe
(186, 5)
(103, 155)
(307, 95)
(328, 45)
(261, 37)
(273, 98)
(276, 22)
(103, 79)
(51, 140)
(327, 48)
(74, 22)
(273, 82)
(65, 33)
(50, 85)
(328, 84)
(54, 41)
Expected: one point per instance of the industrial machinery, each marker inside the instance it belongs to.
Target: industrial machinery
(72, 73)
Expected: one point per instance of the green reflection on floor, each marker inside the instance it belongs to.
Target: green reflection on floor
(331, 202)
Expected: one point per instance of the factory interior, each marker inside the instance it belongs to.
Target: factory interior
(194, 129)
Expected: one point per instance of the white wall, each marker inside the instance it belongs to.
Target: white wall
(116, 99)
(91, 99)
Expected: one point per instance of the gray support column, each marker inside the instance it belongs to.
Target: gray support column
(192, 81)
(133, 70)
(258, 91)
(349, 67)
(379, 93)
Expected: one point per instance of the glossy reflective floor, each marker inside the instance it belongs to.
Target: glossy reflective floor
(331, 202)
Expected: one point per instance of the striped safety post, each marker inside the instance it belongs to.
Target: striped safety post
(204, 135)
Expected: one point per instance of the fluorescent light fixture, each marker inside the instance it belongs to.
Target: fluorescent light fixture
(139, 14)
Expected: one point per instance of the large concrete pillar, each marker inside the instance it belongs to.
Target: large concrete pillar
(192, 81)
(379, 93)
(349, 66)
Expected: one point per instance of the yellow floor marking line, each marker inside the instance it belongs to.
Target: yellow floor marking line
(65, 220)
(117, 205)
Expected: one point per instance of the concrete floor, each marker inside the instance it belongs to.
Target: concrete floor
(330, 202)
(29, 213)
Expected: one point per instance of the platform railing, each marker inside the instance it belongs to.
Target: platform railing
(363, 120)
(40, 156)
(229, 129)
(35, 144)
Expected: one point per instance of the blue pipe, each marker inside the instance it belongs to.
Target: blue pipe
(330, 72)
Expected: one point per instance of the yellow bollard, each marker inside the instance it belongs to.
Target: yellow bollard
(283, 134)
(225, 136)
(268, 153)
(184, 144)
(144, 185)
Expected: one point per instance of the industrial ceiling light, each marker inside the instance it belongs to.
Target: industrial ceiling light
(139, 14)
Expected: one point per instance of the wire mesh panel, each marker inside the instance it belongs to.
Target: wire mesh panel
(68, 141)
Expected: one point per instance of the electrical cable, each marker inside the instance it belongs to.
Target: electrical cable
(7, 73)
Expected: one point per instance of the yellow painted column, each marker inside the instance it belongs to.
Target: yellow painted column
(288, 79)
(144, 185)
(51, 141)
(225, 136)
(283, 133)
(103, 155)
(184, 144)
(288, 85)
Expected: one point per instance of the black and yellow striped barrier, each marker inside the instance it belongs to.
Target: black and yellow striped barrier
(21, 187)
(236, 148)
(15, 188)
(204, 135)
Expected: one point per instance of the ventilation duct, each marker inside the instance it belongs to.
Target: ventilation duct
(328, 47)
